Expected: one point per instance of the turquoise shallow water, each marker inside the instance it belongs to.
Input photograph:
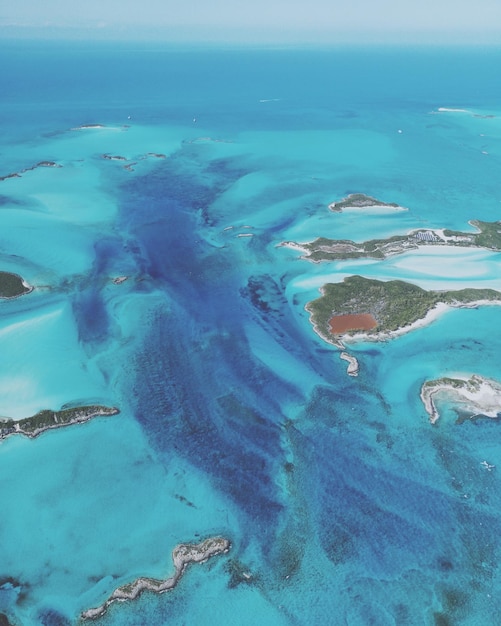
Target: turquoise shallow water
(343, 505)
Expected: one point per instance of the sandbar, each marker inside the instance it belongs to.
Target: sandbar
(353, 366)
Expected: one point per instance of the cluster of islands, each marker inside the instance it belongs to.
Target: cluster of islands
(380, 308)
(363, 309)
(12, 286)
(324, 249)
(29, 169)
(355, 309)
(128, 164)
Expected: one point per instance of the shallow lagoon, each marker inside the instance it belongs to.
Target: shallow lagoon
(236, 419)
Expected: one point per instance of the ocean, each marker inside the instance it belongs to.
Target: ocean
(183, 169)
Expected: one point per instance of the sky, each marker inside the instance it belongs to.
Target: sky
(257, 21)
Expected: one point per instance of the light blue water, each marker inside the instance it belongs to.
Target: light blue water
(342, 503)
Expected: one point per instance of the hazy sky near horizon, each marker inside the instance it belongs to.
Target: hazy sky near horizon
(324, 21)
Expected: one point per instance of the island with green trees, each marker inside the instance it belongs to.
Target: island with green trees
(361, 201)
(13, 285)
(379, 309)
(324, 249)
(48, 420)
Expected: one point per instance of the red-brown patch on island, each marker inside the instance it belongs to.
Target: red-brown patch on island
(343, 323)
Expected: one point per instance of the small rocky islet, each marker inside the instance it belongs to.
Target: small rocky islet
(12, 285)
(183, 555)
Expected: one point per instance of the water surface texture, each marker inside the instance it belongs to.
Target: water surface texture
(183, 170)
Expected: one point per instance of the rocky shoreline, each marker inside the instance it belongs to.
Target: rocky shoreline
(478, 396)
(353, 364)
(183, 555)
(321, 313)
(48, 420)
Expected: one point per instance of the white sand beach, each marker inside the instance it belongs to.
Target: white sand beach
(476, 394)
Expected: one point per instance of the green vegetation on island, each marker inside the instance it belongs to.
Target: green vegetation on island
(360, 201)
(324, 249)
(489, 235)
(46, 419)
(393, 304)
(12, 285)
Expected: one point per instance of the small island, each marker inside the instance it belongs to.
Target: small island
(353, 365)
(88, 126)
(182, 556)
(31, 168)
(475, 396)
(48, 420)
(13, 285)
(118, 280)
(371, 309)
(324, 249)
(113, 157)
(361, 201)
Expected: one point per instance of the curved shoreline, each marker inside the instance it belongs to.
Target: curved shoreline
(432, 315)
(9, 277)
(340, 341)
(396, 305)
(353, 366)
(183, 555)
(481, 395)
(361, 201)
